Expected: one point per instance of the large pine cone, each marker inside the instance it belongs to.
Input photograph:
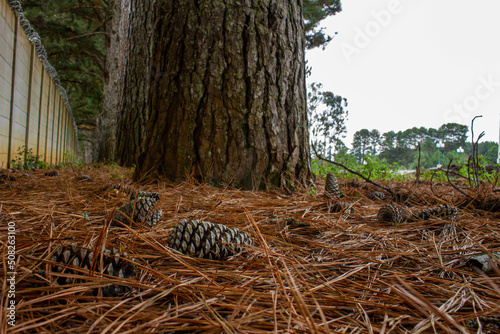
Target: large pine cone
(331, 186)
(140, 210)
(392, 213)
(207, 240)
(74, 256)
(443, 210)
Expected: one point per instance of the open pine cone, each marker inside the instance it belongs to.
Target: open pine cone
(443, 210)
(392, 213)
(74, 259)
(207, 240)
(140, 210)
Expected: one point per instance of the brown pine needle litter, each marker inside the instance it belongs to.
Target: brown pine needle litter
(310, 271)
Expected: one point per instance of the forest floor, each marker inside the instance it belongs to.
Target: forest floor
(340, 273)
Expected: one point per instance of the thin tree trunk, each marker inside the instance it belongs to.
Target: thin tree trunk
(117, 51)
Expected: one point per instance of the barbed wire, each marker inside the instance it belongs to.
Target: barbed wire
(35, 39)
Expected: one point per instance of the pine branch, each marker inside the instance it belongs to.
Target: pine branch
(352, 172)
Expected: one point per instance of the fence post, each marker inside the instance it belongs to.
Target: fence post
(57, 133)
(40, 112)
(53, 125)
(47, 124)
(61, 137)
(28, 111)
(65, 133)
(12, 94)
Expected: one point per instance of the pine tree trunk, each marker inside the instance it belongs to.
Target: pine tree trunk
(217, 89)
(117, 52)
(135, 102)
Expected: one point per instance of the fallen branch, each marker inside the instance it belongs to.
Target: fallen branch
(353, 172)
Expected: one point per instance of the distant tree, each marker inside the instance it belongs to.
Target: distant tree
(361, 144)
(489, 150)
(453, 135)
(327, 115)
(375, 142)
(389, 140)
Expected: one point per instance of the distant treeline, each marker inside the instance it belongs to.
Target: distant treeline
(402, 147)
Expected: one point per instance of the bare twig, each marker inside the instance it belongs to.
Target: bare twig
(417, 174)
(475, 156)
(452, 184)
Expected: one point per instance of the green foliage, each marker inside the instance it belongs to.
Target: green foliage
(378, 169)
(27, 160)
(72, 32)
(314, 12)
(313, 192)
(115, 172)
(71, 160)
(373, 168)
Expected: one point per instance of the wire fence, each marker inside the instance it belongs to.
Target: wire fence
(34, 109)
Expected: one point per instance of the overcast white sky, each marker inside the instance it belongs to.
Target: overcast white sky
(405, 63)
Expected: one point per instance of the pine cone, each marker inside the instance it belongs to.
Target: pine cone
(122, 187)
(207, 240)
(143, 194)
(443, 210)
(140, 211)
(52, 173)
(331, 186)
(392, 213)
(77, 257)
(376, 195)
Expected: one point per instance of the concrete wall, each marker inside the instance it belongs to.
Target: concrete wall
(32, 112)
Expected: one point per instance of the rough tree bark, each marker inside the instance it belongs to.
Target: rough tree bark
(220, 88)
(117, 53)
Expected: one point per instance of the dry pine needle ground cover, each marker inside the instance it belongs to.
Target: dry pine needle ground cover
(341, 273)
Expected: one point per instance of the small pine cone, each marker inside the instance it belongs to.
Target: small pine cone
(122, 187)
(52, 173)
(392, 213)
(376, 195)
(344, 207)
(143, 194)
(140, 210)
(207, 240)
(331, 186)
(74, 256)
(443, 210)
